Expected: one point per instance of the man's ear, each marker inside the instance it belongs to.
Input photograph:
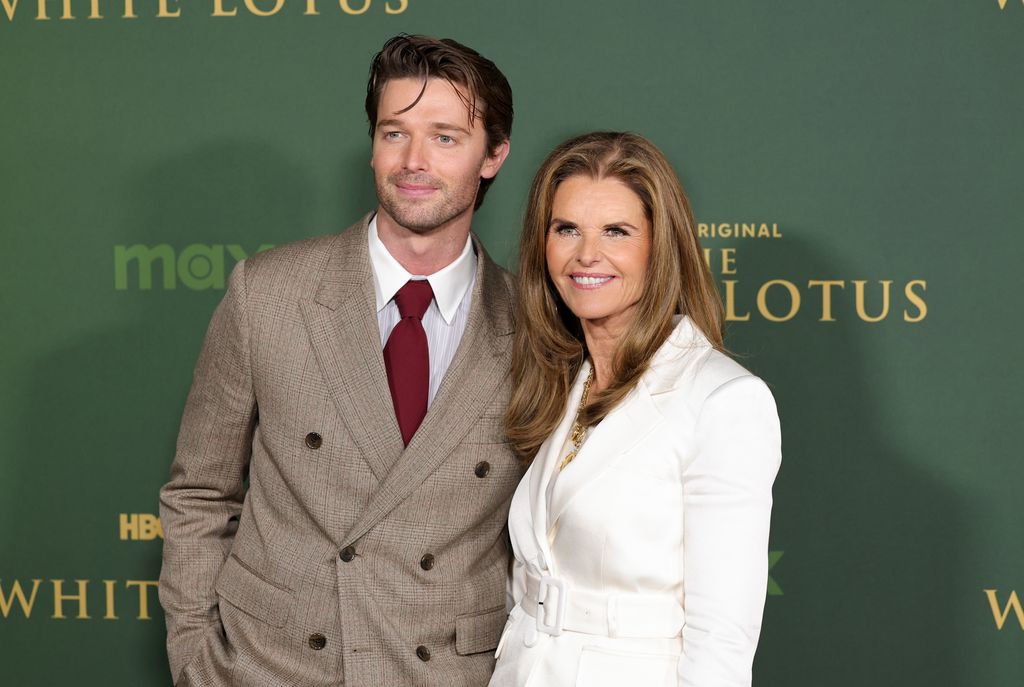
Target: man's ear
(495, 159)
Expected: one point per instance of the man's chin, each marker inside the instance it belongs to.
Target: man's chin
(420, 220)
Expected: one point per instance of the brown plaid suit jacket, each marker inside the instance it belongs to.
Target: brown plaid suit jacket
(348, 559)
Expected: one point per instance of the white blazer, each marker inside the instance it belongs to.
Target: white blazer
(652, 562)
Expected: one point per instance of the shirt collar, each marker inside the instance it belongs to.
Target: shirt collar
(449, 284)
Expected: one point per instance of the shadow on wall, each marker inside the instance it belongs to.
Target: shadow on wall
(868, 574)
(100, 421)
(354, 193)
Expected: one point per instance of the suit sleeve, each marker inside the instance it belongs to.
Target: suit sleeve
(727, 503)
(201, 503)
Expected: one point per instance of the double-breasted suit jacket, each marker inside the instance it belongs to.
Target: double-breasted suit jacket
(348, 559)
(646, 562)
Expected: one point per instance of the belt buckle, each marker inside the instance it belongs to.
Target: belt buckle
(544, 602)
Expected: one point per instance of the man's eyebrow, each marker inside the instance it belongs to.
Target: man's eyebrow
(438, 126)
(445, 126)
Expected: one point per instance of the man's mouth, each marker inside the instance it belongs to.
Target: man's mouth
(415, 187)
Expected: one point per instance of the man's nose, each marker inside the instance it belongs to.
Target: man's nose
(415, 155)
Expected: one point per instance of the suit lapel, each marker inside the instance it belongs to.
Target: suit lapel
(609, 441)
(546, 462)
(342, 325)
(629, 423)
(480, 365)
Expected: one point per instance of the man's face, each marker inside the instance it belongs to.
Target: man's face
(428, 161)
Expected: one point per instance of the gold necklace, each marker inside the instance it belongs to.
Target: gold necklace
(579, 432)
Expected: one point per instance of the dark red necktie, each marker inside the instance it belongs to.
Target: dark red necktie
(406, 359)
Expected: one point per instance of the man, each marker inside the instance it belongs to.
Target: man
(364, 403)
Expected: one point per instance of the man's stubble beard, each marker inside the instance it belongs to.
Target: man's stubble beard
(422, 217)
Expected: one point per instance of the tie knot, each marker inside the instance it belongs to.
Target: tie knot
(414, 298)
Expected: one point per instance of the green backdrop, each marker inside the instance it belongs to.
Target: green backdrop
(880, 144)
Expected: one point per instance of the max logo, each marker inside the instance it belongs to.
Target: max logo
(197, 266)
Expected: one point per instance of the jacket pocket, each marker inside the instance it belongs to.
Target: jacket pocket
(253, 595)
(606, 667)
(480, 631)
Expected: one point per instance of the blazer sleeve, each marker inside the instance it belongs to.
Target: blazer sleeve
(201, 503)
(727, 503)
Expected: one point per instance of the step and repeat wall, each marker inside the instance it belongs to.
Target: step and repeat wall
(856, 169)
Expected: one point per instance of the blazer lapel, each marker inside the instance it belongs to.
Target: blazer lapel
(674, 356)
(629, 423)
(480, 365)
(609, 441)
(546, 462)
(342, 325)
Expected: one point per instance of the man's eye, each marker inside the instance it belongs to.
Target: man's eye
(445, 140)
(392, 134)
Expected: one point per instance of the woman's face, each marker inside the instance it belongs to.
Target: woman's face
(598, 243)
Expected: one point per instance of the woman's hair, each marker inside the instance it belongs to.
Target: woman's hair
(549, 345)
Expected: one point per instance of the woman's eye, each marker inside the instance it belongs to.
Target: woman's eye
(616, 231)
(564, 229)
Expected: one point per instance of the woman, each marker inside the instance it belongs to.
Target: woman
(640, 529)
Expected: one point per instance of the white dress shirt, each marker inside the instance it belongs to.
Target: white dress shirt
(446, 316)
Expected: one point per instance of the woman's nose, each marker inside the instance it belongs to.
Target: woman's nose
(589, 250)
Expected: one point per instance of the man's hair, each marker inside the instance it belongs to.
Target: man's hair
(478, 82)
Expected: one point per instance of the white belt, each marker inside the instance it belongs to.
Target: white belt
(558, 607)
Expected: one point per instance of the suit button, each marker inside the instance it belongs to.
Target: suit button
(317, 641)
(427, 562)
(423, 653)
(482, 469)
(348, 553)
(314, 440)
